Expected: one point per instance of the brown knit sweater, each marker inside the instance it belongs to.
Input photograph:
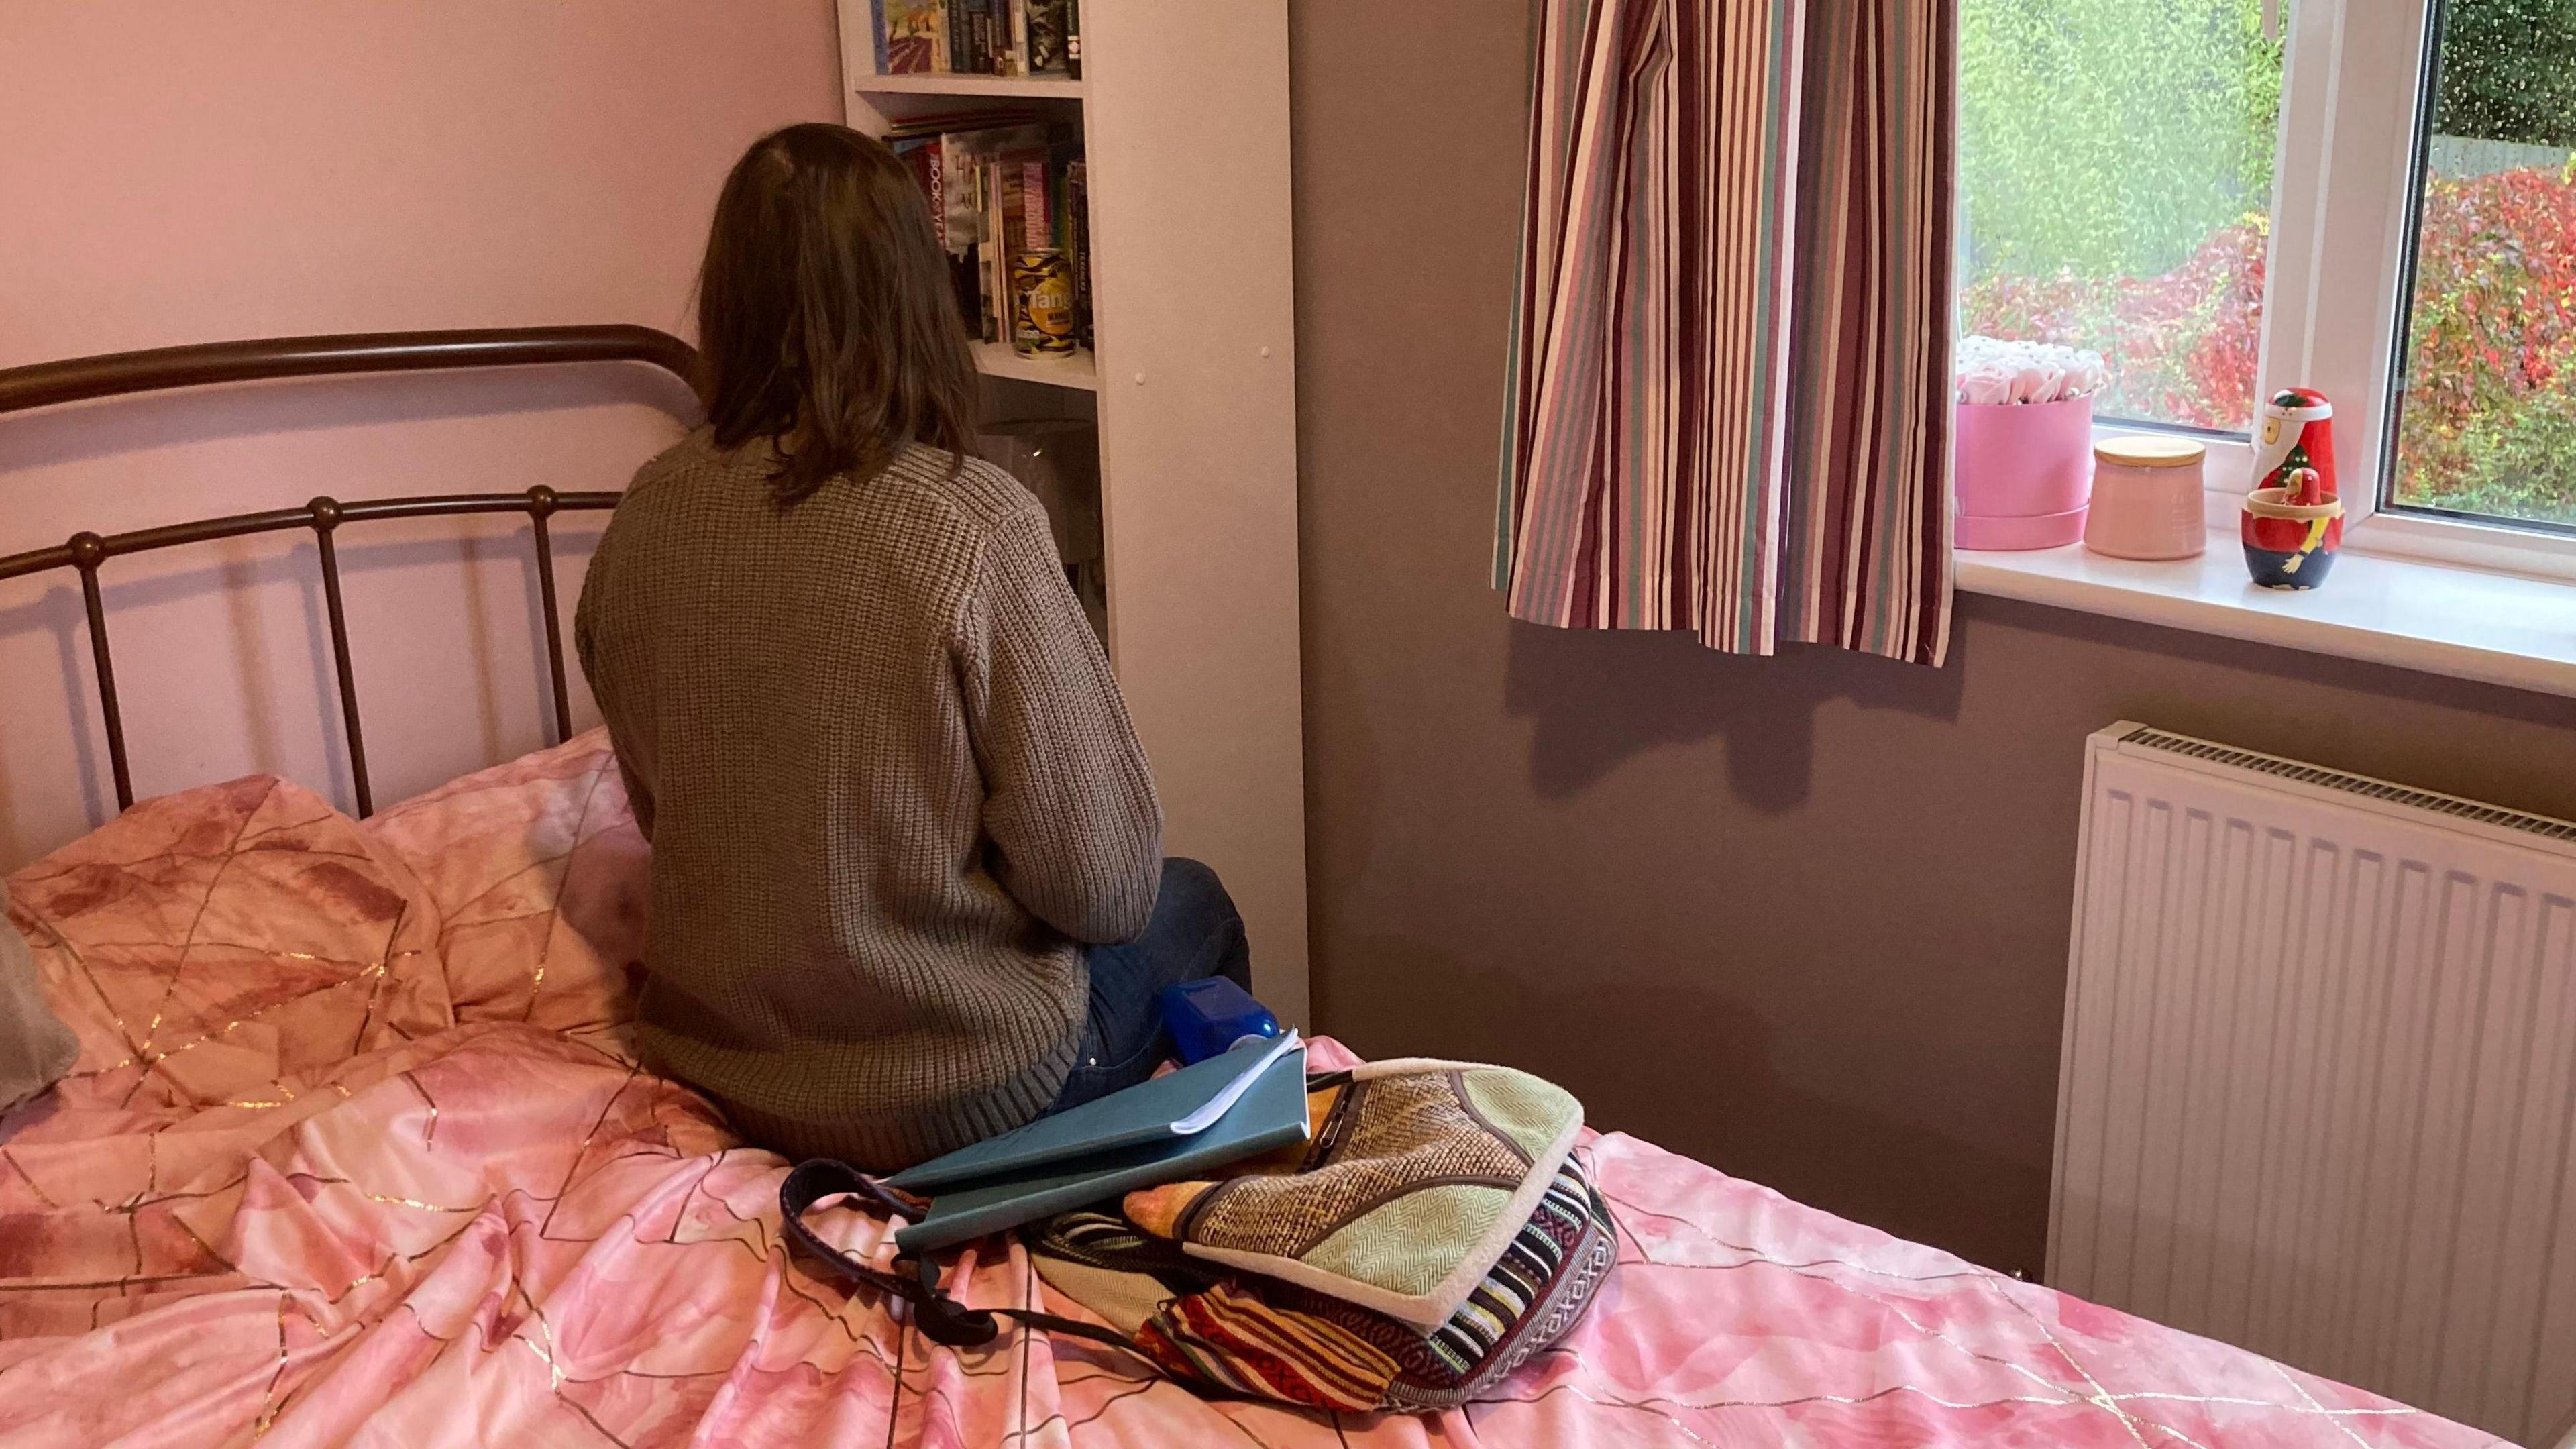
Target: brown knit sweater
(889, 784)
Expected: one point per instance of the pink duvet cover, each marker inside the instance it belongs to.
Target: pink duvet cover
(356, 1154)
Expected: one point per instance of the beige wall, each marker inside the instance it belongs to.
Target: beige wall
(178, 173)
(1802, 917)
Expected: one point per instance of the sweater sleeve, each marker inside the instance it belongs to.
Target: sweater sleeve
(639, 795)
(1068, 798)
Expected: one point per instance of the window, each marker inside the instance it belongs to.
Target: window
(2486, 407)
(2115, 170)
(2220, 197)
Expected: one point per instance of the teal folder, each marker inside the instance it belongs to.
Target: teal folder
(1178, 1104)
(1270, 1113)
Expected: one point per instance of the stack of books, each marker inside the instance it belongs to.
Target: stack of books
(1004, 186)
(979, 37)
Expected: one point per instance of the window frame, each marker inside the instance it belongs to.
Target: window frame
(2343, 203)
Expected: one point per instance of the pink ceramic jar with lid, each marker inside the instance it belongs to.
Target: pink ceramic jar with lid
(2147, 498)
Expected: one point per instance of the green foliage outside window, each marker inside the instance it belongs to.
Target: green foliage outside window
(2111, 137)
(2508, 71)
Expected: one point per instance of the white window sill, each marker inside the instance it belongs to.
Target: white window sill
(2501, 628)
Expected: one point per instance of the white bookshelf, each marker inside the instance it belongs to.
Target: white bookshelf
(1025, 88)
(1184, 115)
(1075, 370)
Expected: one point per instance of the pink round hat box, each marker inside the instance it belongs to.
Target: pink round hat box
(2024, 473)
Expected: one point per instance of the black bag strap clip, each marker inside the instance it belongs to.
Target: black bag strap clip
(942, 1319)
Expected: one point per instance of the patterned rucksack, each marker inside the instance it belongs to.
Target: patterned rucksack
(1435, 1232)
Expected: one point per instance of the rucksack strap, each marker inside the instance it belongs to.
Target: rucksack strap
(941, 1319)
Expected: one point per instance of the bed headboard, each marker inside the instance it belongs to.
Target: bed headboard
(49, 383)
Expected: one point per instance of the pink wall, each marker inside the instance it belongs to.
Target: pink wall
(191, 173)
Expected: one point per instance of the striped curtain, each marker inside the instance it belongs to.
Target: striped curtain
(1730, 364)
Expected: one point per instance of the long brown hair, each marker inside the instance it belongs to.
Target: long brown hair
(825, 313)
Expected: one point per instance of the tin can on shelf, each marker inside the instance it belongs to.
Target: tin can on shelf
(1041, 303)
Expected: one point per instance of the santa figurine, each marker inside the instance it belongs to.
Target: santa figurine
(2292, 532)
(2298, 432)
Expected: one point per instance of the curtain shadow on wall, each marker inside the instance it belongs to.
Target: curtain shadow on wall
(2138, 671)
(1700, 1075)
(1599, 699)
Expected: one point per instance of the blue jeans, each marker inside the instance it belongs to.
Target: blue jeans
(1195, 933)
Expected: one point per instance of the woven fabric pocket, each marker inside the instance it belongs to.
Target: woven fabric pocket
(1261, 1338)
(1421, 1175)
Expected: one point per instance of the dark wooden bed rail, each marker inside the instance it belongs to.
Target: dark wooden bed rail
(116, 374)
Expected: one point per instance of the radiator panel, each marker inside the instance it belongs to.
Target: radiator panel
(2319, 1076)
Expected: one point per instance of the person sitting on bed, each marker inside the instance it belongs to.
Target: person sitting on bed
(900, 820)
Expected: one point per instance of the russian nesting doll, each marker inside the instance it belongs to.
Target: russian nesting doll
(2298, 432)
(2292, 532)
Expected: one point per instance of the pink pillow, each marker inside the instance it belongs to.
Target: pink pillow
(231, 943)
(540, 880)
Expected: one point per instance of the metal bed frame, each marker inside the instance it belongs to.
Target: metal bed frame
(118, 374)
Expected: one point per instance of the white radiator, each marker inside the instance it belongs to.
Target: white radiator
(2319, 1066)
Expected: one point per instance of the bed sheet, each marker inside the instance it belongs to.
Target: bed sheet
(357, 1152)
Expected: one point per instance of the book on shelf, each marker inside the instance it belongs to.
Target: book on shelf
(912, 36)
(1018, 38)
(1077, 240)
(999, 186)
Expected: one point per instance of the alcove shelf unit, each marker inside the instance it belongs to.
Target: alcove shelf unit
(1183, 114)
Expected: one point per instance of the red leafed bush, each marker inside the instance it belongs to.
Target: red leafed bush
(2489, 419)
(2180, 346)
(2493, 347)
